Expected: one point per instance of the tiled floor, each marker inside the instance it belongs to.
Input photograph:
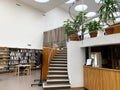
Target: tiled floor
(9, 81)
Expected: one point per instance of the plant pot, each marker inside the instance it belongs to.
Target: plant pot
(74, 37)
(116, 29)
(113, 29)
(109, 30)
(93, 34)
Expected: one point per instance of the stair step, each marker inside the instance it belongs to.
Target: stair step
(57, 80)
(57, 76)
(53, 86)
(57, 72)
(55, 61)
(61, 54)
(58, 65)
(57, 68)
(63, 57)
(60, 59)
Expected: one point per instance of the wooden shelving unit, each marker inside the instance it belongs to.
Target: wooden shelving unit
(22, 56)
(4, 59)
(10, 57)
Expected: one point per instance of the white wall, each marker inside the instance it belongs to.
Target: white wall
(54, 18)
(76, 60)
(22, 25)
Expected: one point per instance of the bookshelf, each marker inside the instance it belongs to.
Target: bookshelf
(22, 56)
(10, 57)
(4, 59)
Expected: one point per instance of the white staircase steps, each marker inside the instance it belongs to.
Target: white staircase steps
(58, 59)
(57, 81)
(57, 78)
(58, 65)
(60, 62)
(57, 68)
(57, 72)
(55, 86)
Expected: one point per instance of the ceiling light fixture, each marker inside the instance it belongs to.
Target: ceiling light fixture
(42, 1)
(81, 7)
(90, 14)
(97, 1)
(70, 1)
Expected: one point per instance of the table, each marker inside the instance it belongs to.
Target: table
(28, 68)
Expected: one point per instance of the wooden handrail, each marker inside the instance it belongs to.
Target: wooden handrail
(48, 54)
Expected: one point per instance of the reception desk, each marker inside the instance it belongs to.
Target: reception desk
(101, 78)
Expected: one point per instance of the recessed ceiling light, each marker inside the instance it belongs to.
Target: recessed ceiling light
(42, 1)
(97, 1)
(70, 1)
(90, 14)
(81, 7)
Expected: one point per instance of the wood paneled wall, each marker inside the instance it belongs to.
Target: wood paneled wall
(101, 78)
(45, 64)
(55, 36)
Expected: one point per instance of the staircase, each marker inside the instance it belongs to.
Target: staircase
(57, 78)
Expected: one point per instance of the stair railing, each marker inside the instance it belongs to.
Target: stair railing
(50, 55)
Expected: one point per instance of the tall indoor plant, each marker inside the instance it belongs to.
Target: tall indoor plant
(93, 27)
(106, 12)
(72, 27)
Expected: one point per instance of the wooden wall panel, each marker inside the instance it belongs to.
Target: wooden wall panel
(101, 78)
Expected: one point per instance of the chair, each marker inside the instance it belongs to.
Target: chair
(16, 70)
(22, 69)
(27, 70)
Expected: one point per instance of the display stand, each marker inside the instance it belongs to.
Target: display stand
(38, 80)
(39, 57)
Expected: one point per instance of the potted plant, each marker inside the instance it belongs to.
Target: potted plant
(106, 12)
(69, 29)
(72, 27)
(93, 27)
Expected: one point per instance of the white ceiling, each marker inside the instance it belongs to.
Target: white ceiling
(46, 7)
(92, 6)
(43, 7)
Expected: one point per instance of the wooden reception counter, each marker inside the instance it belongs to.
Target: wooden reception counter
(101, 78)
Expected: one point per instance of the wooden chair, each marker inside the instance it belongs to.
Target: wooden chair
(27, 70)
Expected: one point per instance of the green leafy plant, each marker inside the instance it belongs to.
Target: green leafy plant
(107, 9)
(73, 26)
(93, 26)
(68, 26)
